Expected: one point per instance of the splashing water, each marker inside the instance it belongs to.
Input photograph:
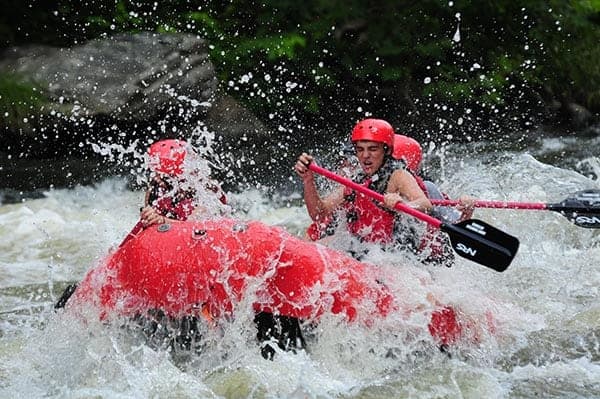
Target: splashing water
(543, 308)
(456, 37)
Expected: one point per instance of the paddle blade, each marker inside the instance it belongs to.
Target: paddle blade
(583, 209)
(589, 220)
(482, 243)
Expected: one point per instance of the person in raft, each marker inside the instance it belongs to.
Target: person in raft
(175, 193)
(169, 195)
(433, 247)
(410, 152)
(366, 219)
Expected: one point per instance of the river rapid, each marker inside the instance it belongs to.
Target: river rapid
(545, 309)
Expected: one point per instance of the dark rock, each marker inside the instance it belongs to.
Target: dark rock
(117, 90)
(133, 77)
(579, 116)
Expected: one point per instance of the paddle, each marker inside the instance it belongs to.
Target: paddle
(583, 208)
(472, 239)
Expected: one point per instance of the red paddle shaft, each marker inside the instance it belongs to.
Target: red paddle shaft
(362, 189)
(494, 204)
(583, 208)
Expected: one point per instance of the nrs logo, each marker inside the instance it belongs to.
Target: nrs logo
(587, 220)
(467, 250)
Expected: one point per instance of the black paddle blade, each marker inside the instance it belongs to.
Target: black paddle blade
(585, 219)
(482, 243)
(583, 209)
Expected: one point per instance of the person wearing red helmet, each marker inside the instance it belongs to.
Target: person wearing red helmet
(170, 196)
(367, 220)
(167, 198)
(434, 247)
(408, 150)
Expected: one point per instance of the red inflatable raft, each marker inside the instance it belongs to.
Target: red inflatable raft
(189, 267)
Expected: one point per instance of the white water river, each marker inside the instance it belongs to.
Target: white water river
(545, 306)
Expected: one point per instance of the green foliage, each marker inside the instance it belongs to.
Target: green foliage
(312, 54)
(19, 100)
(571, 33)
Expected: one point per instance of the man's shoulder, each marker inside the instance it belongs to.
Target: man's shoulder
(400, 173)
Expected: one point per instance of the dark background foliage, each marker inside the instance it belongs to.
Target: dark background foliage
(440, 69)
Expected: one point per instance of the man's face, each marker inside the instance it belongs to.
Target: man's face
(370, 154)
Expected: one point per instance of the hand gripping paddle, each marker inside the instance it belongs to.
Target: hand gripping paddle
(472, 239)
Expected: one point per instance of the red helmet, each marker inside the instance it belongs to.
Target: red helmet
(409, 150)
(374, 130)
(167, 156)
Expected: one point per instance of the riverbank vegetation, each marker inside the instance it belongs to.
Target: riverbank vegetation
(436, 66)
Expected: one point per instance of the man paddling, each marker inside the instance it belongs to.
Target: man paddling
(434, 247)
(373, 141)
